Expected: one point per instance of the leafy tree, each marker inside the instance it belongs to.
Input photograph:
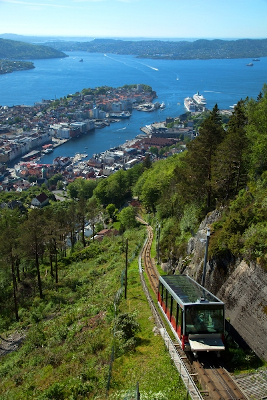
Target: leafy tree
(32, 178)
(153, 183)
(113, 189)
(60, 185)
(127, 217)
(55, 179)
(154, 150)
(81, 188)
(111, 210)
(133, 174)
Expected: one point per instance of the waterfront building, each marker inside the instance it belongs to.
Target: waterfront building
(63, 133)
(82, 126)
(117, 107)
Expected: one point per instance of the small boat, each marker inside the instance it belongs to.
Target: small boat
(250, 65)
(256, 59)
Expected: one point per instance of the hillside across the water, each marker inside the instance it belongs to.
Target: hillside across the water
(171, 50)
(11, 49)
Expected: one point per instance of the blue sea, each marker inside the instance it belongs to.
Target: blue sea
(224, 82)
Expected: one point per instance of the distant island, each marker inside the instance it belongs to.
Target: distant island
(17, 50)
(11, 66)
(202, 49)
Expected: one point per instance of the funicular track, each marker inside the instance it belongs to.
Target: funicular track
(215, 379)
(216, 382)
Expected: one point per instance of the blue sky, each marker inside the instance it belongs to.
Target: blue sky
(136, 18)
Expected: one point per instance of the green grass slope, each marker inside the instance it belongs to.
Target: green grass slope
(71, 336)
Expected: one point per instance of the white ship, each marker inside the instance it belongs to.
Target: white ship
(199, 99)
(189, 104)
(123, 114)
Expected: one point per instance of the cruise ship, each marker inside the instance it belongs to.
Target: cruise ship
(189, 104)
(199, 99)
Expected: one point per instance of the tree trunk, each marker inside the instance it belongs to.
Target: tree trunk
(17, 270)
(56, 266)
(83, 237)
(38, 275)
(51, 264)
(14, 289)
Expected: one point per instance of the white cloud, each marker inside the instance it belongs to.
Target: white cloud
(36, 4)
(107, 1)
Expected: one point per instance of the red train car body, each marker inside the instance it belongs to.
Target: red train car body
(195, 315)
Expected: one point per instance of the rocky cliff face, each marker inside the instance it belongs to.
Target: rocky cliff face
(242, 287)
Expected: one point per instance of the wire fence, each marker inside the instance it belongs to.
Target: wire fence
(133, 393)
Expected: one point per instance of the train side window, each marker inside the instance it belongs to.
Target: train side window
(180, 317)
(174, 308)
(166, 299)
(177, 315)
(174, 312)
(161, 290)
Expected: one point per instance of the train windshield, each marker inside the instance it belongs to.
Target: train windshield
(204, 319)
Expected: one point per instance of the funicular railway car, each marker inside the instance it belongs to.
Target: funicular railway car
(195, 315)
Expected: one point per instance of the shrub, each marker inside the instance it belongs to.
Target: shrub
(255, 239)
(36, 337)
(126, 324)
(54, 392)
(125, 327)
(189, 219)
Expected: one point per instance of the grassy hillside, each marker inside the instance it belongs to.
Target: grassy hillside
(12, 49)
(70, 334)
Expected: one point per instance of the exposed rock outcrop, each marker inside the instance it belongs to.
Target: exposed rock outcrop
(245, 296)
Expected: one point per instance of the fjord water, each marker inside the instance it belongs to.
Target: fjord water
(223, 82)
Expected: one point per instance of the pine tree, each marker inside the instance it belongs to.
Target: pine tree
(32, 240)
(229, 167)
(200, 155)
(9, 234)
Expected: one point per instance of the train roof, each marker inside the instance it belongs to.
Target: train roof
(187, 291)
